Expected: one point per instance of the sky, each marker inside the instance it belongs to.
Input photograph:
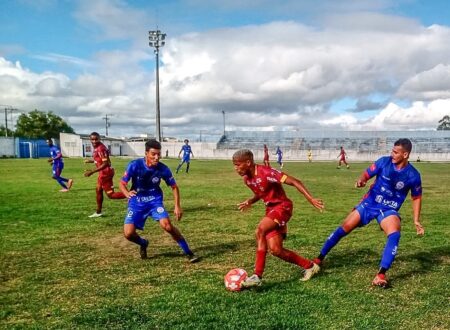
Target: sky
(255, 65)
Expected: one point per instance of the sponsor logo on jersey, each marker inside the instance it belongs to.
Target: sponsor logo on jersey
(155, 179)
(399, 185)
(160, 210)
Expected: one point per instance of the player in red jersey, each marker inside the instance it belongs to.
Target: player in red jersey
(105, 173)
(342, 158)
(266, 156)
(266, 184)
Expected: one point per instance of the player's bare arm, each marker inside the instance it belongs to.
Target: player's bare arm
(105, 163)
(176, 195)
(362, 180)
(417, 206)
(316, 202)
(245, 205)
(123, 187)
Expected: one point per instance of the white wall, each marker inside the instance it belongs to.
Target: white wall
(72, 144)
(7, 148)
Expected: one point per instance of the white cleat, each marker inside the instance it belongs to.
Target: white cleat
(95, 215)
(310, 272)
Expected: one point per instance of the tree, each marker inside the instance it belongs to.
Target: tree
(444, 124)
(37, 124)
(5, 132)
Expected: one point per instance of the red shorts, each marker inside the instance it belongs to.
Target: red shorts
(106, 182)
(280, 213)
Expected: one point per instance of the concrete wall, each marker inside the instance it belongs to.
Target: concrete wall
(7, 147)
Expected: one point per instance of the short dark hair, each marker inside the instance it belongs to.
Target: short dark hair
(243, 154)
(405, 144)
(186, 140)
(152, 144)
(95, 134)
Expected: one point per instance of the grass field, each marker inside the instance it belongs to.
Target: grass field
(60, 269)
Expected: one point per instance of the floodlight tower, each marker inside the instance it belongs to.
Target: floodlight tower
(156, 40)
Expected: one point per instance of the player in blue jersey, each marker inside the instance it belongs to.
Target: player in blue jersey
(187, 152)
(395, 177)
(57, 163)
(279, 154)
(146, 199)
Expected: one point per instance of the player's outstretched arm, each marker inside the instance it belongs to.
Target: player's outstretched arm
(316, 202)
(417, 206)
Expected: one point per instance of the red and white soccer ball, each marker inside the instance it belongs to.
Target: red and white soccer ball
(234, 278)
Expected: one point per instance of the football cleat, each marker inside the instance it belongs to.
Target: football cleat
(143, 250)
(95, 215)
(381, 281)
(69, 184)
(251, 281)
(193, 258)
(310, 272)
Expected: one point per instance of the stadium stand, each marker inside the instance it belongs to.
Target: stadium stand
(359, 145)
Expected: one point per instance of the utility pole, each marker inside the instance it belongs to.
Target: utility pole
(107, 123)
(11, 109)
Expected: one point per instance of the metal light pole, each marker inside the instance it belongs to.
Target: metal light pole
(156, 40)
(223, 113)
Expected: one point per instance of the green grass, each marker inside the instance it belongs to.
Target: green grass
(60, 269)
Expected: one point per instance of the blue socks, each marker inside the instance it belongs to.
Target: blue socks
(390, 250)
(61, 181)
(332, 240)
(184, 246)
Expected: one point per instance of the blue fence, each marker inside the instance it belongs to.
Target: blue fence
(28, 148)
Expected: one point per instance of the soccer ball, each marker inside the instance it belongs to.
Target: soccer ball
(234, 278)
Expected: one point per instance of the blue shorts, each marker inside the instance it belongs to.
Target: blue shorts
(368, 212)
(57, 169)
(138, 215)
(186, 160)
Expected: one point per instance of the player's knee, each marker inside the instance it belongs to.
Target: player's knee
(275, 250)
(259, 232)
(128, 233)
(167, 226)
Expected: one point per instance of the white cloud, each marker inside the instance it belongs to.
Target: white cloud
(278, 75)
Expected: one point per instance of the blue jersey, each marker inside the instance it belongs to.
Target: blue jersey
(145, 180)
(55, 152)
(391, 185)
(279, 154)
(186, 152)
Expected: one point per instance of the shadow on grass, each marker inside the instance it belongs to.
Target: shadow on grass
(208, 251)
(428, 261)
